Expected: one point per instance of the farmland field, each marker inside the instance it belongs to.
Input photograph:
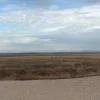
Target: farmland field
(49, 66)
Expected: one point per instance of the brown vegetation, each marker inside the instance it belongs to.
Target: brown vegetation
(49, 66)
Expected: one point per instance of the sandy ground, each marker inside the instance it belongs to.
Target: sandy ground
(68, 89)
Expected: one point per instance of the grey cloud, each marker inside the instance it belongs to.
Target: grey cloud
(3, 0)
(93, 1)
(42, 2)
(46, 3)
(39, 3)
(86, 1)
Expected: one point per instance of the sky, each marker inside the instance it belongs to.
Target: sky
(49, 25)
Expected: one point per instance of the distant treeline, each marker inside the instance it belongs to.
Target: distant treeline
(40, 53)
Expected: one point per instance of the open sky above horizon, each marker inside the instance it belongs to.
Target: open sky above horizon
(49, 25)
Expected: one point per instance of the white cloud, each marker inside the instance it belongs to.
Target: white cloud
(52, 29)
(30, 40)
(54, 7)
(94, 28)
(48, 27)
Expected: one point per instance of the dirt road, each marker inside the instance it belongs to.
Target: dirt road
(67, 89)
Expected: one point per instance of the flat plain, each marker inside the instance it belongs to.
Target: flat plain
(49, 66)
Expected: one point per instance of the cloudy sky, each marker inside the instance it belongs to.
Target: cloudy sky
(49, 25)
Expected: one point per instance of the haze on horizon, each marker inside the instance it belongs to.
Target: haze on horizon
(49, 25)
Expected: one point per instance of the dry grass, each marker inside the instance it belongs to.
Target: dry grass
(49, 66)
